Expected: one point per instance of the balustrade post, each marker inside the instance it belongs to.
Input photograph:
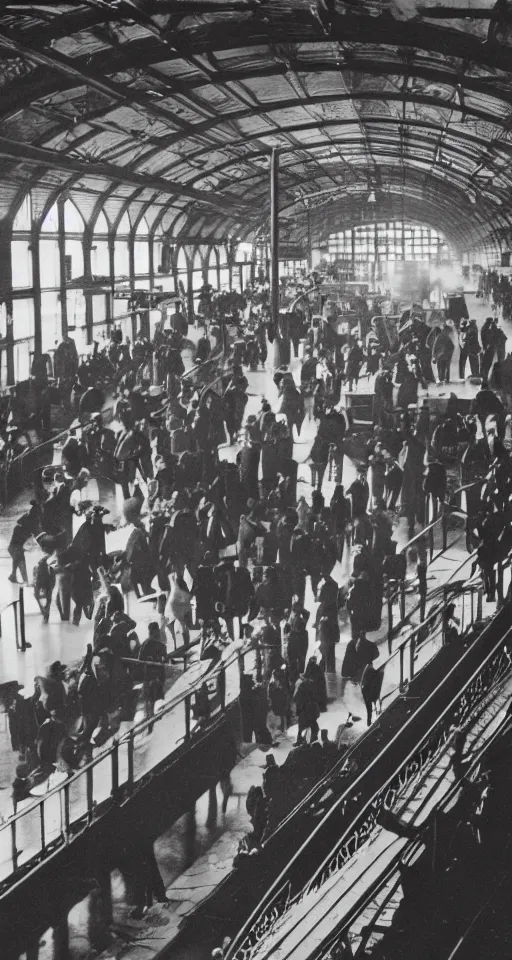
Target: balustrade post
(222, 691)
(66, 811)
(14, 849)
(444, 527)
(499, 585)
(479, 603)
(443, 635)
(412, 650)
(114, 760)
(130, 758)
(16, 628)
(90, 793)
(402, 599)
(41, 821)
(390, 618)
(187, 716)
(401, 667)
(23, 645)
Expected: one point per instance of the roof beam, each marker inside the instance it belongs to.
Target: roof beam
(13, 150)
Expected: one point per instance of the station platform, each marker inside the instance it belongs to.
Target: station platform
(198, 851)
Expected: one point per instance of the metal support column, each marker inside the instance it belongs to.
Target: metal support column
(310, 249)
(274, 237)
(62, 261)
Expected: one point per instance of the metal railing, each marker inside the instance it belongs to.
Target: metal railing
(69, 806)
(17, 607)
(282, 894)
(395, 595)
(391, 879)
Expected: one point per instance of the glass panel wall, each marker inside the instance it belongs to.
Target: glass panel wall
(21, 264)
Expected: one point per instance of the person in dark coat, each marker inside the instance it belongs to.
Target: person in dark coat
(205, 589)
(297, 640)
(248, 459)
(442, 351)
(469, 348)
(279, 697)
(359, 493)
(328, 635)
(22, 531)
(355, 360)
(487, 404)
(371, 683)
(359, 652)
(153, 650)
(306, 707)
(489, 335)
(262, 734)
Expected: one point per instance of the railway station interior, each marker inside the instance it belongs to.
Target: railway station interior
(255, 479)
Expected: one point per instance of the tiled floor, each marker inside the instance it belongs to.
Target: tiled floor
(218, 843)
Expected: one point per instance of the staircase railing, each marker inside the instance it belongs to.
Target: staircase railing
(287, 889)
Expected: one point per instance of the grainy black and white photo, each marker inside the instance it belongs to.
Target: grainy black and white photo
(255, 480)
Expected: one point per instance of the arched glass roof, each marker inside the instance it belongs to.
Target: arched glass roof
(169, 110)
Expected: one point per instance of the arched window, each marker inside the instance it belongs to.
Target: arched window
(101, 225)
(74, 251)
(21, 248)
(23, 218)
(125, 226)
(142, 228)
(213, 277)
(73, 222)
(50, 223)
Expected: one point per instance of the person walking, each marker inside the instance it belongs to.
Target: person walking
(469, 344)
(21, 533)
(442, 351)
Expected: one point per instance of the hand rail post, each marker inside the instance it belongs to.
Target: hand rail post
(130, 757)
(390, 617)
(444, 618)
(66, 812)
(479, 603)
(402, 599)
(402, 650)
(187, 716)
(444, 527)
(222, 685)
(16, 628)
(114, 766)
(90, 793)
(431, 543)
(14, 850)
(412, 650)
(22, 620)
(41, 819)
(499, 585)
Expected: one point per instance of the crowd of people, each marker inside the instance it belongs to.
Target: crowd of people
(226, 549)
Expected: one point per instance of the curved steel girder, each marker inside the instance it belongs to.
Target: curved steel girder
(381, 30)
(276, 106)
(368, 145)
(324, 125)
(471, 139)
(347, 213)
(231, 34)
(457, 182)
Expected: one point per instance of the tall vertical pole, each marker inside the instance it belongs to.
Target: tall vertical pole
(274, 237)
(310, 251)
